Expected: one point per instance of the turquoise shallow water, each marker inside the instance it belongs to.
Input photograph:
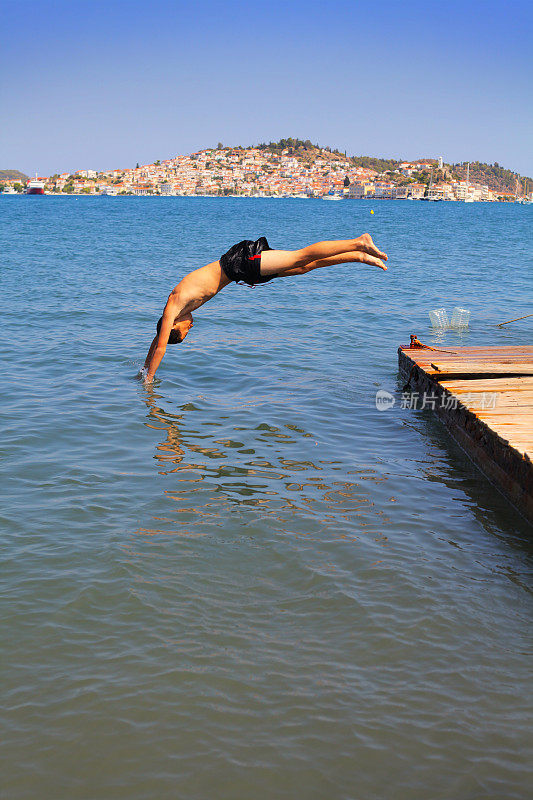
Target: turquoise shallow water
(248, 582)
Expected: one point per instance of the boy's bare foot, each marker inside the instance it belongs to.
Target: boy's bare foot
(366, 244)
(373, 261)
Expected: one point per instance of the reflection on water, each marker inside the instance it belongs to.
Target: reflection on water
(485, 502)
(214, 474)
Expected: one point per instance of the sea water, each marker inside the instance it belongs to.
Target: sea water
(249, 581)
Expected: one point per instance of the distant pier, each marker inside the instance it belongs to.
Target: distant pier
(484, 395)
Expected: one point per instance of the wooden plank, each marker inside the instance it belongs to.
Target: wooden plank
(483, 367)
(474, 361)
(501, 355)
(513, 386)
(468, 351)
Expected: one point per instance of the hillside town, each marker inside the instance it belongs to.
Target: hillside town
(269, 172)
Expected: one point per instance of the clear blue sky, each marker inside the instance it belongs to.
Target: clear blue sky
(90, 84)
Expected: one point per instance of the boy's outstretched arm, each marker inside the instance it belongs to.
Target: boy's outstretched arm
(150, 352)
(159, 345)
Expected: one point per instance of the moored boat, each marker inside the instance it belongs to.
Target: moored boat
(35, 186)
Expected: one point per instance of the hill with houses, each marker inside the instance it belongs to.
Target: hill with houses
(292, 167)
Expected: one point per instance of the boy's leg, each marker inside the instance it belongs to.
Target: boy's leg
(330, 261)
(275, 261)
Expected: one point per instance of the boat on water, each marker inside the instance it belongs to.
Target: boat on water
(9, 190)
(35, 186)
(331, 197)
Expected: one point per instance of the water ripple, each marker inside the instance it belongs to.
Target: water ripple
(247, 581)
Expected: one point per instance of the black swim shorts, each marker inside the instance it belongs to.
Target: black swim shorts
(242, 262)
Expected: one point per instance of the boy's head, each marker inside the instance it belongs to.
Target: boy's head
(179, 330)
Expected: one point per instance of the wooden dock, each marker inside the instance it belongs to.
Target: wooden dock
(484, 395)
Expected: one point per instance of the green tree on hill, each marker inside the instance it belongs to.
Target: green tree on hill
(290, 144)
(377, 164)
(13, 175)
(494, 176)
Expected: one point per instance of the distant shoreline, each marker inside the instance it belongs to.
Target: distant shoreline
(292, 168)
(78, 195)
